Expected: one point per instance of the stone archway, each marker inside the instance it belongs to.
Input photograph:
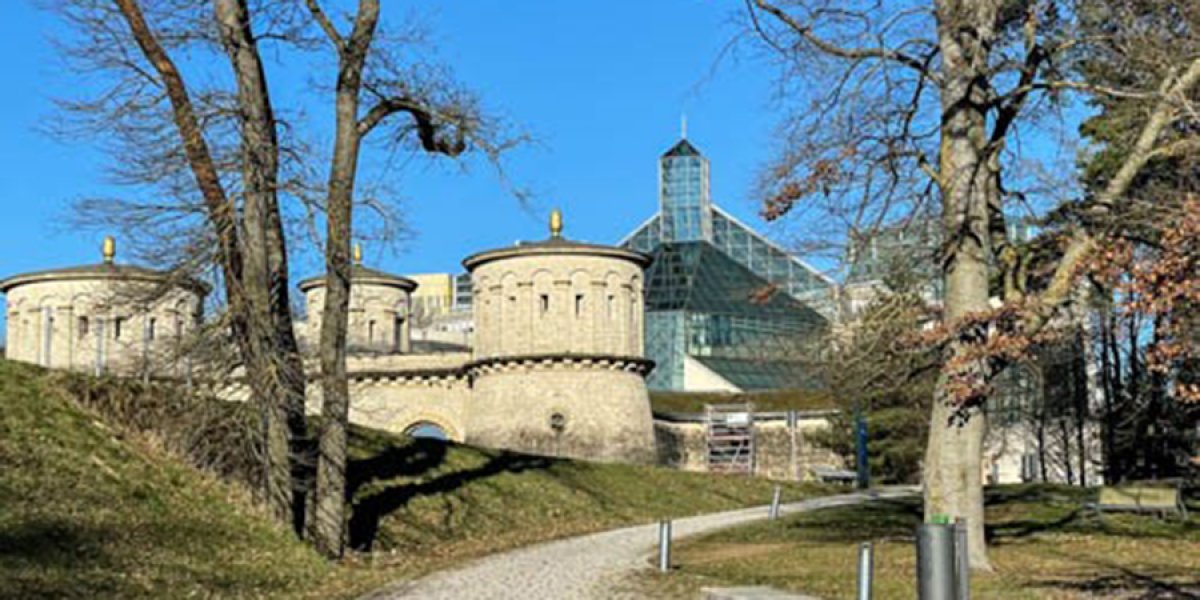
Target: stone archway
(427, 430)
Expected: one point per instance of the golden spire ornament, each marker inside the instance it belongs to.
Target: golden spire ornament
(109, 249)
(358, 254)
(556, 224)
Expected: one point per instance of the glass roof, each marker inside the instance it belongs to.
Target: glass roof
(703, 304)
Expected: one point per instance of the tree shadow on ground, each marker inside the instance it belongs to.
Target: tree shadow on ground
(422, 457)
(1174, 584)
(891, 518)
(1033, 493)
(53, 543)
(413, 459)
(1010, 530)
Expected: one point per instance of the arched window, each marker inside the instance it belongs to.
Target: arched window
(425, 430)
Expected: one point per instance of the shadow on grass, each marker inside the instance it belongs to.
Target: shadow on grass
(1175, 584)
(53, 543)
(1028, 527)
(893, 518)
(415, 460)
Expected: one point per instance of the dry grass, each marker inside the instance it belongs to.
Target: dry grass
(1045, 545)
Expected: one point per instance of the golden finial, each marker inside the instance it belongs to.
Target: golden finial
(556, 224)
(109, 249)
(358, 254)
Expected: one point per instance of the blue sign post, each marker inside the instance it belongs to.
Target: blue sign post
(863, 468)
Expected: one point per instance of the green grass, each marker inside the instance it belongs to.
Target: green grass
(91, 509)
(87, 513)
(1044, 545)
(764, 401)
(447, 500)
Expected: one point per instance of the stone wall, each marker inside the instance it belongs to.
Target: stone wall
(595, 410)
(784, 449)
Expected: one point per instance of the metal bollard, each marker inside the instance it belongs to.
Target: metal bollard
(774, 512)
(935, 561)
(962, 560)
(866, 570)
(664, 545)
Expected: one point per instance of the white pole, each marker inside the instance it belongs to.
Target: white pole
(774, 513)
(866, 570)
(664, 545)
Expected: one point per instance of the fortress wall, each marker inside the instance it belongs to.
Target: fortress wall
(563, 410)
(781, 451)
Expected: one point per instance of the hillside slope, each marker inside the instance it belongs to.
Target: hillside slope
(90, 510)
(86, 513)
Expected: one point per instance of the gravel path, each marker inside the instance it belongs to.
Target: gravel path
(589, 566)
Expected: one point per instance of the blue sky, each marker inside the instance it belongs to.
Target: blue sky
(601, 85)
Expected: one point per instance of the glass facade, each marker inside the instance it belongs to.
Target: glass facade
(702, 304)
(684, 201)
(720, 294)
(911, 247)
(753, 252)
(462, 295)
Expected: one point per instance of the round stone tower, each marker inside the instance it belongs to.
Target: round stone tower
(104, 317)
(380, 309)
(558, 364)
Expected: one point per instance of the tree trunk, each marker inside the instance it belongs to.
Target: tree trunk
(1110, 467)
(274, 366)
(954, 456)
(330, 525)
(254, 271)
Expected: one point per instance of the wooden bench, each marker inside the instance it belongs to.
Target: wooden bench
(1143, 499)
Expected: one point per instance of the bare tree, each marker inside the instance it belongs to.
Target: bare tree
(916, 108)
(184, 104)
(371, 92)
(212, 156)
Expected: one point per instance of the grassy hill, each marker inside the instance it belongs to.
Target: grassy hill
(90, 509)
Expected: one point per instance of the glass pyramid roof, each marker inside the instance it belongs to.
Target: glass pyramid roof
(682, 148)
(699, 277)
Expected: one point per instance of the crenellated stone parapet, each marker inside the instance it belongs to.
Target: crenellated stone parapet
(568, 362)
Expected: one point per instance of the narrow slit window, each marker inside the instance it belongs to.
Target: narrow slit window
(578, 305)
(117, 323)
(371, 331)
(81, 327)
(545, 303)
(150, 327)
(612, 305)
